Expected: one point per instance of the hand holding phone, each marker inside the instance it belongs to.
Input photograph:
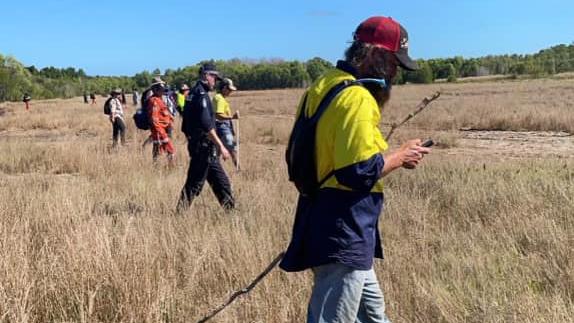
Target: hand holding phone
(428, 143)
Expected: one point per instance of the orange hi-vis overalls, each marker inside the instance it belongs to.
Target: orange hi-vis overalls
(160, 119)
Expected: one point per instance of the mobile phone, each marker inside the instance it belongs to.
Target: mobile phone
(427, 143)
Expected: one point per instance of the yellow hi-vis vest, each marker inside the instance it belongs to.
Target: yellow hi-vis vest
(348, 131)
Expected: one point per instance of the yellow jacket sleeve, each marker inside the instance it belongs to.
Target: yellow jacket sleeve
(358, 138)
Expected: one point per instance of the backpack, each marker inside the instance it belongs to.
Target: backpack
(141, 117)
(170, 102)
(108, 106)
(301, 154)
(145, 98)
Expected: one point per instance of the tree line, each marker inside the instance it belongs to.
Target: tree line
(51, 82)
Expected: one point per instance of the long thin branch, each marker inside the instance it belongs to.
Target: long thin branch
(246, 289)
(420, 107)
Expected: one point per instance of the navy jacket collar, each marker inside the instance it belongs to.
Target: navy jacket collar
(346, 67)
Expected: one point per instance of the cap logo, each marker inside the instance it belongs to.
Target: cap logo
(405, 43)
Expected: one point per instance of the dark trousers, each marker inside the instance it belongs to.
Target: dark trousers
(119, 131)
(205, 165)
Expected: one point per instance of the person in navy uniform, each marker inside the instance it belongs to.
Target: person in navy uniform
(203, 145)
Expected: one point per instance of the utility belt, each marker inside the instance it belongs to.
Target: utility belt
(197, 136)
(199, 144)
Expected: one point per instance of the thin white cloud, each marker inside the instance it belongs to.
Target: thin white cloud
(322, 13)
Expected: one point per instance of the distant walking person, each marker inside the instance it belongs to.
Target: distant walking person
(135, 97)
(223, 116)
(85, 98)
(170, 101)
(202, 144)
(93, 97)
(181, 96)
(160, 120)
(124, 101)
(144, 100)
(117, 118)
(26, 99)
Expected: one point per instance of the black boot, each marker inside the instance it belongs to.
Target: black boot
(183, 203)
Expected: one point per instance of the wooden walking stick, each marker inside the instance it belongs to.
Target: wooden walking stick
(237, 167)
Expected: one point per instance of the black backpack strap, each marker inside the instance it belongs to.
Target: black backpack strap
(303, 107)
(325, 102)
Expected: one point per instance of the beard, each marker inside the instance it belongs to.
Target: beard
(381, 95)
(210, 86)
(373, 66)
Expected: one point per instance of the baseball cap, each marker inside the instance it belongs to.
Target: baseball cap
(386, 33)
(226, 82)
(208, 68)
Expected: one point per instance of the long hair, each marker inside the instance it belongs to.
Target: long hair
(360, 53)
(371, 61)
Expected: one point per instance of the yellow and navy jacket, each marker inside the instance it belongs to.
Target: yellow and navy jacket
(180, 101)
(221, 106)
(340, 224)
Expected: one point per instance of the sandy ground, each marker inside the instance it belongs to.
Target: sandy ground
(512, 144)
(465, 143)
(482, 144)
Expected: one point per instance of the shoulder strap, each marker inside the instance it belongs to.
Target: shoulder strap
(325, 102)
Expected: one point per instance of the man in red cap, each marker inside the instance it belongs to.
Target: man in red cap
(336, 229)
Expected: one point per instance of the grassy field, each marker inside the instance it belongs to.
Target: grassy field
(482, 232)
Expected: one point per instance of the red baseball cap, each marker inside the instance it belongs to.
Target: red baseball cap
(386, 33)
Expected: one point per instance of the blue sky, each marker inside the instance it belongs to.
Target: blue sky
(108, 37)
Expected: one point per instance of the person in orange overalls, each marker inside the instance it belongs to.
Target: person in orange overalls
(160, 120)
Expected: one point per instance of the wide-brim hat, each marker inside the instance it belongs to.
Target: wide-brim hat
(184, 87)
(157, 81)
(116, 91)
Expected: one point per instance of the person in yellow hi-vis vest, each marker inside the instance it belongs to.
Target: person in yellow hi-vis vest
(336, 228)
(223, 117)
(181, 96)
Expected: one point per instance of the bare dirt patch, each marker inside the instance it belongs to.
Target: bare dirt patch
(514, 144)
(43, 135)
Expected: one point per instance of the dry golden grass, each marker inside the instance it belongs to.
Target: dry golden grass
(480, 233)
(537, 105)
